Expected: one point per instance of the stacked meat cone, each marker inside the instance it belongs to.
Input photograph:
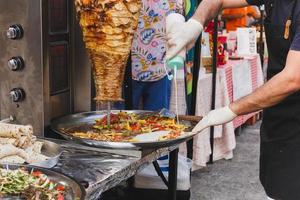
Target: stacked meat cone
(108, 27)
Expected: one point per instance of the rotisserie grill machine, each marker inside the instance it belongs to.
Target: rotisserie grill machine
(44, 68)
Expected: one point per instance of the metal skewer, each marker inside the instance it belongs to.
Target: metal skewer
(108, 113)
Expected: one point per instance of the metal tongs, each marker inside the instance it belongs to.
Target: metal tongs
(169, 114)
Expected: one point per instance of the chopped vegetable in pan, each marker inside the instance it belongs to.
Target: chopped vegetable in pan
(125, 126)
(29, 185)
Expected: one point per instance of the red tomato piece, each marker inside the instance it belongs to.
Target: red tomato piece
(135, 127)
(60, 188)
(36, 173)
(60, 197)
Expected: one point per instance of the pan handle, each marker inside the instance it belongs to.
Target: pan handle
(190, 118)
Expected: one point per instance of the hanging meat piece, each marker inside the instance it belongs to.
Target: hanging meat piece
(108, 27)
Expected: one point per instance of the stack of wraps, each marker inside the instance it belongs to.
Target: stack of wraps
(108, 27)
(19, 145)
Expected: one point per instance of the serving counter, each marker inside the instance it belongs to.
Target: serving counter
(99, 170)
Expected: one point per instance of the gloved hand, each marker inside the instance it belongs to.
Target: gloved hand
(215, 117)
(186, 36)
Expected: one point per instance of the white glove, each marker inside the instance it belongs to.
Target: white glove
(186, 36)
(214, 118)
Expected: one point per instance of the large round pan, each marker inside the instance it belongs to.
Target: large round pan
(85, 118)
(74, 191)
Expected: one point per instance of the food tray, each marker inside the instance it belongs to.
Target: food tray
(74, 191)
(51, 150)
(82, 119)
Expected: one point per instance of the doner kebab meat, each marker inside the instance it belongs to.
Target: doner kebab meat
(108, 27)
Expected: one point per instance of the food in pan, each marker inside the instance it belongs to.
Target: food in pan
(125, 126)
(29, 185)
(108, 27)
(18, 145)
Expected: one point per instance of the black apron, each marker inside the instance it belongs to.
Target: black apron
(280, 130)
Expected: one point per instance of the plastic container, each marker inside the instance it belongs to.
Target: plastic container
(148, 185)
(171, 20)
(148, 178)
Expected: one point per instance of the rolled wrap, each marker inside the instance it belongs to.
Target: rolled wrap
(19, 145)
(24, 142)
(12, 141)
(15, 131)
(11, 150)
(12, 160)
(35, 157)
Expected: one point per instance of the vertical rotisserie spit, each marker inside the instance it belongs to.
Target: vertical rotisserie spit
(108, 27)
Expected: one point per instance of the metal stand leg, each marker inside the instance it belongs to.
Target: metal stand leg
(173, 167)
(190, 150)
(214, 83)
(160, 173)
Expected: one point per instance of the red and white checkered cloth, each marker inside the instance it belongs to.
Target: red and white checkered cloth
(256, 81)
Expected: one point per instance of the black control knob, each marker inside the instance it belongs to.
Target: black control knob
(15, 32)
(16, 63)
(17, 94)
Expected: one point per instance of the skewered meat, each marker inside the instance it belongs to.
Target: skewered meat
(108, 27)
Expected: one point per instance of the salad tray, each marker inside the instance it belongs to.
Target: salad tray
(72, 190)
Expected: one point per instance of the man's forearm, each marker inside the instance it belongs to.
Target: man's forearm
(275, 90)
(271, 93)
(208, 9)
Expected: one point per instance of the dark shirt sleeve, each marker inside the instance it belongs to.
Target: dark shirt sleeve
(296, 37)
(296, 40)
(255, 2)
